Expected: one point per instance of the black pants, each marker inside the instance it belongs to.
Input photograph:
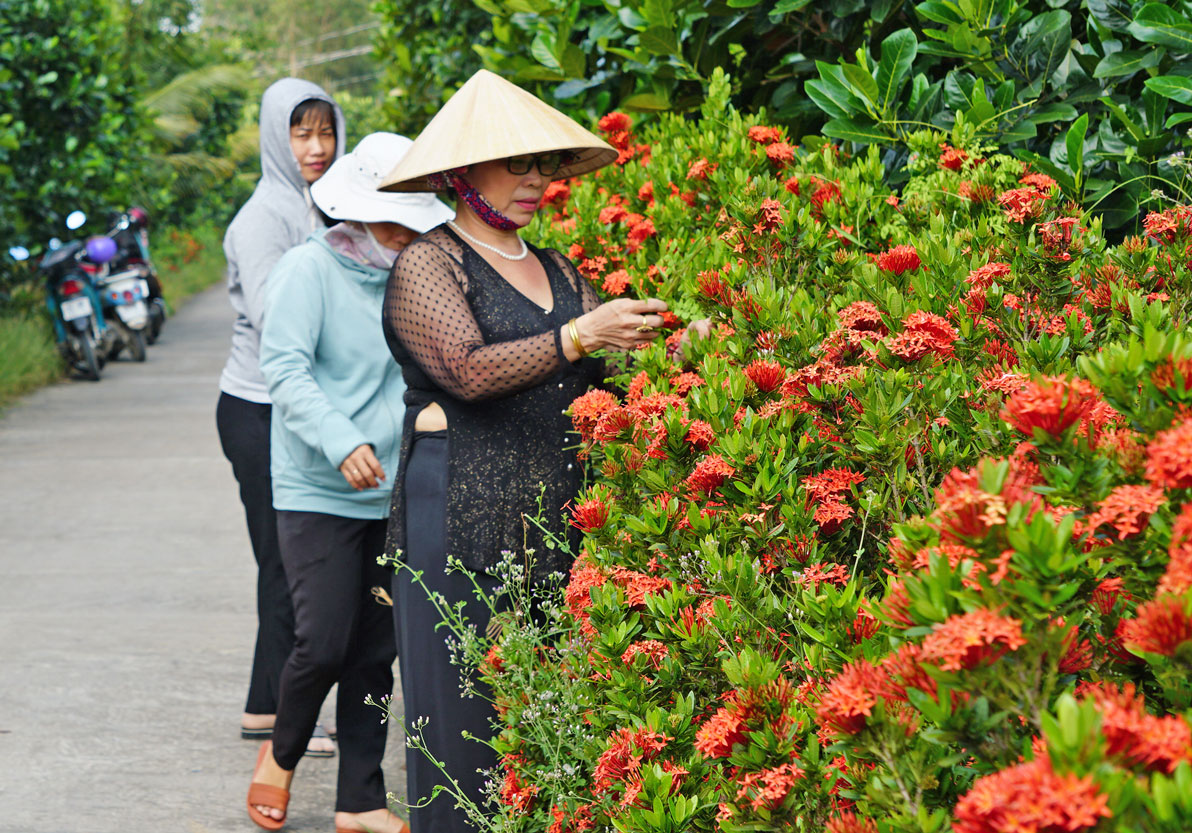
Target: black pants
(244, 434)
(343, 635)
(430, 683)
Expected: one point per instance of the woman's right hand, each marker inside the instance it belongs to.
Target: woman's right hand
(620, 324)
(362, 469)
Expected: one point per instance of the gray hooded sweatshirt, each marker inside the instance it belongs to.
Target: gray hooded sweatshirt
(278, 216)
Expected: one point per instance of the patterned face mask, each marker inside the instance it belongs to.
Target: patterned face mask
(475, 200)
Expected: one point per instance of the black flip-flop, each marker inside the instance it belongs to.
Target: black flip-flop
(320, 732)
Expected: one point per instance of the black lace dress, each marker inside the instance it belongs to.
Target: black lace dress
(493, 361)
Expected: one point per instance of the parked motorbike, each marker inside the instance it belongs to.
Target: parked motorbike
(75, 306)
(130, 230)
(122, 297)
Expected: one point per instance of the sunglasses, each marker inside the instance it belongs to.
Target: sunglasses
(548, 163)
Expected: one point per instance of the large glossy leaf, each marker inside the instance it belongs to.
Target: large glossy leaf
(832, 100)
(898, 55)
(1176, 87)
(1074, 141)
(1112, 14)
(937, 12)
(787, 6)
(1042, 42)
(855, 130)
(660, 40)
(1127, 63)
(1055, 111)
(658, 13)
(861, 82)
(646, 101)
(1157, 23)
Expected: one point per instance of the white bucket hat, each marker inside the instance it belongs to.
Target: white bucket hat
(348, 191)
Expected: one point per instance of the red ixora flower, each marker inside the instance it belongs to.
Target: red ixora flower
(614, 122)
(1127, 509)
(862, 316)
(850, 697)
(1031, 796)
(967, 640)
(781, 154)
(1159, 627)
(557, 193)
(952, 158)
(653, 650)
(765, 135)
(1130, 732)
(1169, 457)
(849, 822)
(1020, 204)
(720, 732)
(923, 333)
(710, 473)
(615, 283)
(621, 761)
(1178, 576)
(587, 409)
(898, 260)
(701, 168)
(590, 515)
(767, 789)
(766, 375)
(1052, 403)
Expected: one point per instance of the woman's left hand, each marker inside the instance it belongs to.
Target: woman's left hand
(701, 328)
(362, 469)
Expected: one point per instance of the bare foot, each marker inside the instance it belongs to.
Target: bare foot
(269, 772)
(374, 821)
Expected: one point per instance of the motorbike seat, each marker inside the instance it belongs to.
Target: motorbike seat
(64, 253)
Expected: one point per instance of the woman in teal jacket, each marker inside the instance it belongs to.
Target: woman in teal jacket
(337, 408)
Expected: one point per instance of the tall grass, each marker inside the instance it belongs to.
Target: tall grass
(187, 262)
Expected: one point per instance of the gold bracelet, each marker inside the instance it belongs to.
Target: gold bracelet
(574, 331)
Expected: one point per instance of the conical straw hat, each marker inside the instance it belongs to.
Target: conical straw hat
(490, 118)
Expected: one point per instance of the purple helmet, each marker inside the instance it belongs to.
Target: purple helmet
(101, 249)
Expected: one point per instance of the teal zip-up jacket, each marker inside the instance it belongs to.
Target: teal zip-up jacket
(332, 381)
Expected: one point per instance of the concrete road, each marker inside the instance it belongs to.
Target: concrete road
(127, 605)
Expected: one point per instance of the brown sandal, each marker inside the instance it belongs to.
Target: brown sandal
(267, 796)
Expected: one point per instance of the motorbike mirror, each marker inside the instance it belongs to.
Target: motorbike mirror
(75, 219)
(18, 253)
(54, 244)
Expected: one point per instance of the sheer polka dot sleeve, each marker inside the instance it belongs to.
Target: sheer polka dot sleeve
(427, 311)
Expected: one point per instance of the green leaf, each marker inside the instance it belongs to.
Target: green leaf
(1074, 141)
(1021, 132)
(860, 81)
(47, 78)
(1157, 23)
(1177, 119)
(822, 94)
(659, 40)
(543, 50)
(742, 4)
(787, 6)
(1127, 63)
(1176, 87)
(898, 55)
(646, 101)
(1043, 41)
(853, 130)
(1055, 111)
(659, 13)
(945, 13)
(1132, 126)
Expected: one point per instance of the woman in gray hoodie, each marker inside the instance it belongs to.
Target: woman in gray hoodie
(302, 133)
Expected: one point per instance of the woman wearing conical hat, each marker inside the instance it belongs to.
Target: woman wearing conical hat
(493, 336)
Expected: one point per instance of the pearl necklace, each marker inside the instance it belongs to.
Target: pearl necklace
(525, 250)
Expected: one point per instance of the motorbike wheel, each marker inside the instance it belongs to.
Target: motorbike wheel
(136, 345)
(87, 364)
(157, 318)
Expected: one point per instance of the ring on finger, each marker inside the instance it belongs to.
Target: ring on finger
(645, 326)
